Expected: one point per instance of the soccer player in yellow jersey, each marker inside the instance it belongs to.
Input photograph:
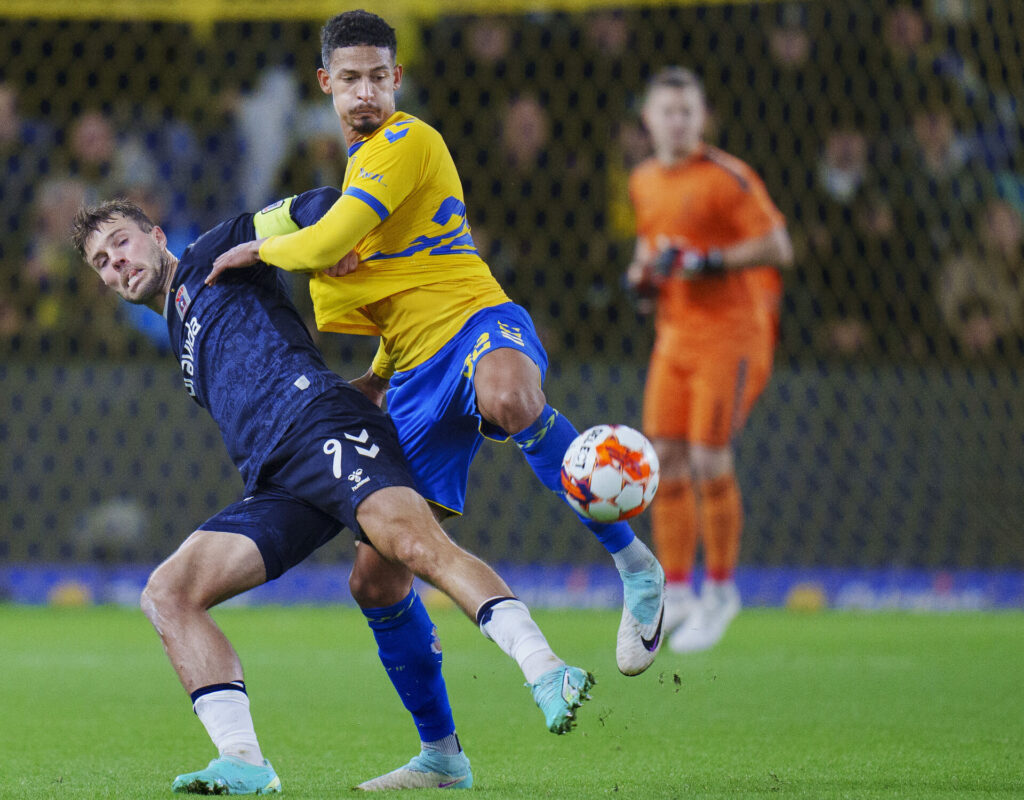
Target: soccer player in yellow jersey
(458, 360)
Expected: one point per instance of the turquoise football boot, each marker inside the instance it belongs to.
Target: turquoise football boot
(558, 692)
(229, 775)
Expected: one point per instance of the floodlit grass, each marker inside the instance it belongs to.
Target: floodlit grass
(828, 705)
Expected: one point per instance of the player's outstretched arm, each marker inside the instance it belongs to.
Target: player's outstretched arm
(326, 245)
(283, 217)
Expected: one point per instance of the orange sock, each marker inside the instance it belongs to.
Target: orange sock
(721, 522)
(675, 528)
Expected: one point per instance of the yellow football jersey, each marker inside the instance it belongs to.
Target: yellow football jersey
(402, 209)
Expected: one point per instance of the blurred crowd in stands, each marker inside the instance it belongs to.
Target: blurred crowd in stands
(891, 137)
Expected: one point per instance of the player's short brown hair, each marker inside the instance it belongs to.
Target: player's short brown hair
(89, 218)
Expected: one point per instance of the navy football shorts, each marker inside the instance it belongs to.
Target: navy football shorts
(337, 454)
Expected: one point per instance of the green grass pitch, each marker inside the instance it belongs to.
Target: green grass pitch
(827, 705)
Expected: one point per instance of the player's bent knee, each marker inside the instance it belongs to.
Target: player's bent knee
(368, 594)
(513, 409)
(378, 584)
(161, 597)
(169, 591)
(423, 555)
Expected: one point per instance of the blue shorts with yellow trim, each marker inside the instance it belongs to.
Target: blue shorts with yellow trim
(433, 405)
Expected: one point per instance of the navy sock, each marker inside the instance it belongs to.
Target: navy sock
(411, 653)
(544, 444)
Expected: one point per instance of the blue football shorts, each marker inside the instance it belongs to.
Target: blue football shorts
(339, 452)
(433, 405)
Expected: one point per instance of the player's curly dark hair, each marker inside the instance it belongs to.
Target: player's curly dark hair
(354, 28)
(89, 218)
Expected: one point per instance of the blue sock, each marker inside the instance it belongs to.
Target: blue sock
(544, 444)
(411, 653)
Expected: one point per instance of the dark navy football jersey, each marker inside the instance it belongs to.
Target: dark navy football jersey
(245, 353)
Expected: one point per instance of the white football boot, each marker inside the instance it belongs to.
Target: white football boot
(643, 612)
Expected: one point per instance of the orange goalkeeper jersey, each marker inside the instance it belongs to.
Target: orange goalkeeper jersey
(710, 200)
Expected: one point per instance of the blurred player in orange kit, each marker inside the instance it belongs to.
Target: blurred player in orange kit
(709, 240)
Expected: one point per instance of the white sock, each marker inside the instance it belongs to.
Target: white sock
(634, 557)
(225, 715)
(507, 622)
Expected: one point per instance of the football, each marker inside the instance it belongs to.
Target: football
(610, 473)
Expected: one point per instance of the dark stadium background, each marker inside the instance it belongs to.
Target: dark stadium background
(886, 457)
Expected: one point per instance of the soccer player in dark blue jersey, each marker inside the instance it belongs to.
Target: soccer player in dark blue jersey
(316, 456)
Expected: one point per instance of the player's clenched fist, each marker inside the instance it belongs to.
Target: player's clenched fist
(347, 264)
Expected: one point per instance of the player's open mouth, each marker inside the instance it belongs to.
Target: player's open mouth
(133, 278)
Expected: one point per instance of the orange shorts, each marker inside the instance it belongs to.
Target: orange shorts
(705, 396)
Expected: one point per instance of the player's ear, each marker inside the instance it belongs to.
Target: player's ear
(159, 235)
(323, 77)
(399, 72)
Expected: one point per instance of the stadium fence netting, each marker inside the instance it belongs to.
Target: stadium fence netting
(889, 133)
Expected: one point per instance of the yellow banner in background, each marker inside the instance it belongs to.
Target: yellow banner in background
(206, 12)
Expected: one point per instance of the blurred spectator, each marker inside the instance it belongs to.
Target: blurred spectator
(26, 148)
(607, 32)
(47, 299)
(905, 32)
(842, 169)
(940, 177)
(525, 132)
(489, 40)
(981, 292)
(789, 49)
(224, 156)
(838, 241)
(93, 151)
(266, 118)
(51, 302)
(788, 41)
(161, 154)
(905, 35)
(315, 160)
(59, 307)
(630, 147)
(924, 51)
